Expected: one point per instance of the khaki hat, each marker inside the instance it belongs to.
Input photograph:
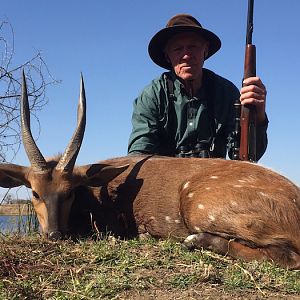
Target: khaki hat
(178, 24)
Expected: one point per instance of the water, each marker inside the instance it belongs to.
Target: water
(16, 224)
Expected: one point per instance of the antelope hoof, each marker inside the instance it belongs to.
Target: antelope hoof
(192, 241)
(55, 235)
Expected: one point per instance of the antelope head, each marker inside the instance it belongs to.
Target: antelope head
(53, 182)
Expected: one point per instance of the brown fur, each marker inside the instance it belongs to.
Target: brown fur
(240, 201)
(231, 207)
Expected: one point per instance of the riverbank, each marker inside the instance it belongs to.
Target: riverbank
(16, 209)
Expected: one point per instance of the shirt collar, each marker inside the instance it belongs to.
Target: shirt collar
(178, 86)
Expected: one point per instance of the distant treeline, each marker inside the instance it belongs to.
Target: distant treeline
(23, 208)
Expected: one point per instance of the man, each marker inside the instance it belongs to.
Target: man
(191, 109)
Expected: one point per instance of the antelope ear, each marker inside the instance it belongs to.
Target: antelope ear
(13, 175)
(99, 174)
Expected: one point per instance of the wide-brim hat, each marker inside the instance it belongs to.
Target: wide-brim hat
(178, 24)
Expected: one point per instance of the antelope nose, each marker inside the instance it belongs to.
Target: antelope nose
(55, 235)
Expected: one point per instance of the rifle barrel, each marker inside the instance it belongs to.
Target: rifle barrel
(249, 22)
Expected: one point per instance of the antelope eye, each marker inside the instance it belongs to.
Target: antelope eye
(35, 195)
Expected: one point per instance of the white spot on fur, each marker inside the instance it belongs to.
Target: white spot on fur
(168, 219)
(214, 177)
(263, 194)
(152, 218)
(211, 217)
(197, 228)
(177, 221)
(233, 203)
(186, 185)
(242, 181)
(190, 195)
(200, 206)
(238, 186)
(208, 188)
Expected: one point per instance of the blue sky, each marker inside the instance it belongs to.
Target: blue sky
(107, 41)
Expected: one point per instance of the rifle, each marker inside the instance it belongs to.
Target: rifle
(248, 112)
(244, 134)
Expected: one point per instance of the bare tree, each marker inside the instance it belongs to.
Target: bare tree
(38, 78)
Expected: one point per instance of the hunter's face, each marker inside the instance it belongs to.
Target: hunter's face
(186, 53)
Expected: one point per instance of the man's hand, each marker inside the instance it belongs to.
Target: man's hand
(254, 92)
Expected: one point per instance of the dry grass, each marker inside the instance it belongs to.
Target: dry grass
(33, 268)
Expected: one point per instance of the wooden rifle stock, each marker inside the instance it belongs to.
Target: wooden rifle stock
(248, 112)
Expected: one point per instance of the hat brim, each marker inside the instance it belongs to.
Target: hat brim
(158, 42)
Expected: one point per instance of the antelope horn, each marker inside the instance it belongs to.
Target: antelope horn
(34, 155)
(67, 161)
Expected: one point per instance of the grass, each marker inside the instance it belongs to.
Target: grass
(33, 268)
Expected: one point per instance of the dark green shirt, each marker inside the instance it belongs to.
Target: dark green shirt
(164, 120)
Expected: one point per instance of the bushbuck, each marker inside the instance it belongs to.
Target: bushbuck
(234, 208)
